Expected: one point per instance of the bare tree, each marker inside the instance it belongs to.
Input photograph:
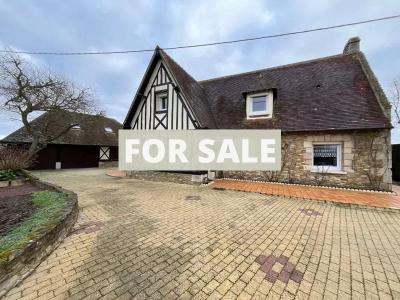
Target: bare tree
(27, 90)
(395, 101)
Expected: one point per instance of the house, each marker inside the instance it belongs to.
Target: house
(91, 140)
(333, 114)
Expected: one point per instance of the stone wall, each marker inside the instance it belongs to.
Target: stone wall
(22, 264)
(104, 164)
(366, 161)
(195, 179)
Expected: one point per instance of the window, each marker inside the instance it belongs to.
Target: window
(161, 102)
(108, 130)
(75, 126)
(327, 157)
(259, 105)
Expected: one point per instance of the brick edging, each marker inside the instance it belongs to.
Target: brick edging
(25, 262)
(310, 185)
(329, 202)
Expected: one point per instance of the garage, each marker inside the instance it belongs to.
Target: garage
(91, 142)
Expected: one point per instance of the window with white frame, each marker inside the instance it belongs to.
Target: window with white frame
(161, 102)
(327, 156)
(259, 105)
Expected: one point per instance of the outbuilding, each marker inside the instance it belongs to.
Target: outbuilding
(91, 142)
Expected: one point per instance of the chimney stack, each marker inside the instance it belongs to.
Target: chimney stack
(352, 46)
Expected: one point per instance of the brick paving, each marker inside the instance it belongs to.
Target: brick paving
(373, 199)
(148, 240)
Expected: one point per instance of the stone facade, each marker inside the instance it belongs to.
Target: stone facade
(176, 177)
(366, 160)
(103, 164)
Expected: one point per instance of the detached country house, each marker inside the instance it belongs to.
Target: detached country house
(334, 116)
(91, 141)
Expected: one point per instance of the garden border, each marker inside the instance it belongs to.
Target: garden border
(25, 262)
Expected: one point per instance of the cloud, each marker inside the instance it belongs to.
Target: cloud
(209, 21)
(231, 63)
(84, 25)
(31, 59)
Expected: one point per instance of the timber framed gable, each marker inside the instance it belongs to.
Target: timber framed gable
(175, 113)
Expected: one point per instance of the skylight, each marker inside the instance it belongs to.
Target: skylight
(76, 127)
(108, 129)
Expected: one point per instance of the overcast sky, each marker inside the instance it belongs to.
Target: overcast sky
(117, 25)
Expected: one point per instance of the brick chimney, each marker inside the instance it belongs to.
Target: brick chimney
(352, 46)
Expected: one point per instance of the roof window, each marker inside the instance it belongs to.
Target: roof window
(108, 130)
(259, 105)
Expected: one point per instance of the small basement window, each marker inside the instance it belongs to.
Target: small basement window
(108, 130)
(327, 157)
(161, 102)
(259, 105)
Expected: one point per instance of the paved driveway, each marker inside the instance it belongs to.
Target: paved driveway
(163, 240)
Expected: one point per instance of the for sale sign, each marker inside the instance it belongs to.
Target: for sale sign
(196, 150)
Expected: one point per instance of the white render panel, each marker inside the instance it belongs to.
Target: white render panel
(178, 115)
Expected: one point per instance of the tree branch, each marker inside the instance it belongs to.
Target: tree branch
(396, 101)
(26, 89)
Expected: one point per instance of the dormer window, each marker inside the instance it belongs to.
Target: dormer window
(76, 127)
(108, 130)
(259, 105)
(161, 102)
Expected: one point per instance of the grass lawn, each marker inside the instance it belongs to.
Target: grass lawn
(49, 206)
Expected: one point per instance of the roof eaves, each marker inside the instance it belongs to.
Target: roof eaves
(374, 84)
(383, 126)
(142, 82)
(199, 120)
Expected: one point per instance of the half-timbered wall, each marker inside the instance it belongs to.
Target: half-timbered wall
(177, 116)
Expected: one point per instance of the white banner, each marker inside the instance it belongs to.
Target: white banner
(196, 150)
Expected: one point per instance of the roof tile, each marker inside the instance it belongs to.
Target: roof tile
(92, 129)
(330, 93)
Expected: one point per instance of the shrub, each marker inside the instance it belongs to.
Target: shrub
(14, 158)
(7, 175)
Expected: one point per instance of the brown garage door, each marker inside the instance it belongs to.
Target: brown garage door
(70, 156)
(79, 156)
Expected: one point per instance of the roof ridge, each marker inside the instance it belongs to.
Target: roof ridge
(211, 122)
(274, 68)
(91, 135)
(77, 113)
(174, 61)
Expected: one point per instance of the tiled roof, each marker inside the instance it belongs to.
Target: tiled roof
(92, 129)
(330, 93)
(192, 91)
